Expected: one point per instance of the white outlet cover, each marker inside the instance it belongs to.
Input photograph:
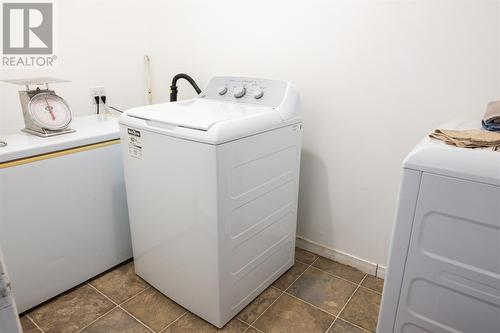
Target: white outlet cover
(96, 91)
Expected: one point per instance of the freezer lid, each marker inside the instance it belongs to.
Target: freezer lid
(434, 156)
(88, 130)
(198, 114)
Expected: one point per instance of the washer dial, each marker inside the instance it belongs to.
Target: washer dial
(239, 91)
(258, 94)
(222, 90)
(49, 111)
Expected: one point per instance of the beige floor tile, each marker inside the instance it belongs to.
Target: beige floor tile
(322, 290)
(252, 330)
(291, 275)
(154, 309)
(28, 326)
(259, 305)
(291, 315)
(341, 326)
(362, 309)
(80, 307)
(373, 283)
(304, 256)
(338, 269)
(120, 284)
(117, 321)
(191, 323)
(71, 311)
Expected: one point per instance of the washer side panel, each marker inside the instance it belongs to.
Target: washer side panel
(258, 190)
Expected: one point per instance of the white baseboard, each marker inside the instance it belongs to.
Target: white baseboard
(342, 257)
(381, 271)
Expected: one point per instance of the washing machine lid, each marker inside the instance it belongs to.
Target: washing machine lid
(218, 114)
(434, 156)
(197, 114)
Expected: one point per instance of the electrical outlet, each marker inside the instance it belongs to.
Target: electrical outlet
(96, 91)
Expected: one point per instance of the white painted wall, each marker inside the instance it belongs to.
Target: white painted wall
(99, 43)
(375, 76)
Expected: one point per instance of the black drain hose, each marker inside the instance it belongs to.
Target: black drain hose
(173, 87)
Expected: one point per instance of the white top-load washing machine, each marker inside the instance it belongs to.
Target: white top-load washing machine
(212, 187)
(444, 266)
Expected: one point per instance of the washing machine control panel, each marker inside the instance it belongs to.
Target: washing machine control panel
(246, 90)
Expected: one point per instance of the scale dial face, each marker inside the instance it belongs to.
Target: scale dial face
(50, 111)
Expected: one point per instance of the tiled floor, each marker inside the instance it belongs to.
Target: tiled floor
(315, 295)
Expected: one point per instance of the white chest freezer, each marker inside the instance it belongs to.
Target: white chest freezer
(444, 267)
(63, 209)
(212, 187)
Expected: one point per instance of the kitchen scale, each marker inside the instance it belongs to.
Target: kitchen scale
(45, 113)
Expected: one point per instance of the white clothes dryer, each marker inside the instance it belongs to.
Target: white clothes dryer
(444, 266)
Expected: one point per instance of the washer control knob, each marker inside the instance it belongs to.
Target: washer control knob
(222, 91)
(258, 94)
(239, 91)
